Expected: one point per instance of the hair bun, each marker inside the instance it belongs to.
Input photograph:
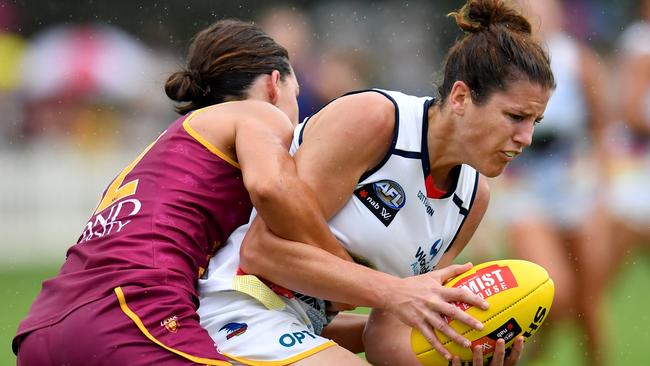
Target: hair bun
(182, 86)
(480, 15)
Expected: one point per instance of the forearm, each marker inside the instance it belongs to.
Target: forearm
(291, 210)
(311, 270)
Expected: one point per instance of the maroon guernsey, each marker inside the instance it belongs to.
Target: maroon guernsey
(157, 224)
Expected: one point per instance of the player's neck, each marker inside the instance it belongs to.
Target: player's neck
(443, 156)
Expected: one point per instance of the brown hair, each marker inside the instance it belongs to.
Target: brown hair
(497, 48)
(223, 61)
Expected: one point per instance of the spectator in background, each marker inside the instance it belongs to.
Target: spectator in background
(291, 28)
(631, 200)
(81, 81)
(549, 198)
(12, 47)
(323, 76)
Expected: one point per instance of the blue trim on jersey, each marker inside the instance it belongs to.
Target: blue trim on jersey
(459, 202)
(469, 209)
(304, 121)
(395, 133)
(302, 129)
(426, 167)
(408, 154)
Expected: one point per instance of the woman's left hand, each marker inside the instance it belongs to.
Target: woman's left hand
(499, 358)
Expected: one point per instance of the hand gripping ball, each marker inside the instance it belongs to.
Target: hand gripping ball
(520, 294)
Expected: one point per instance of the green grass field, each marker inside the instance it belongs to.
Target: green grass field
(628, 315)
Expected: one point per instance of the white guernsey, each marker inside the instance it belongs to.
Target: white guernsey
(396, 222)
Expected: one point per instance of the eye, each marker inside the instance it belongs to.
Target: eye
(516, 117)
(539, 120)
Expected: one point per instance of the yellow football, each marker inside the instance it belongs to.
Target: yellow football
(520, 294)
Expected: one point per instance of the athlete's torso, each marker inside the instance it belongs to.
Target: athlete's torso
(392, 223)
(158, 224)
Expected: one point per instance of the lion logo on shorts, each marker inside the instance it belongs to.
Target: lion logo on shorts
(171, 324)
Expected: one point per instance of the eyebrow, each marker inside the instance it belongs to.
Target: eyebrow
(525, 114)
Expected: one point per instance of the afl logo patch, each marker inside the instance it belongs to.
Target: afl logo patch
(390, 193)
(383, 198)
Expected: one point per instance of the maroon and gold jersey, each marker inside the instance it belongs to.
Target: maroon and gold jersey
(157, 224)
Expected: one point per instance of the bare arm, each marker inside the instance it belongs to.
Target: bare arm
(286, 204)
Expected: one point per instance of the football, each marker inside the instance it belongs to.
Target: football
(520, 294)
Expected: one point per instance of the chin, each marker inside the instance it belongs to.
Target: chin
(492, 171)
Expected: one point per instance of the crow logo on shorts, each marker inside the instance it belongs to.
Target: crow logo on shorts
(383, 198)
(171, 324)
(234, 329)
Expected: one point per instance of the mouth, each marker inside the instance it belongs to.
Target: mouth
(511, 154)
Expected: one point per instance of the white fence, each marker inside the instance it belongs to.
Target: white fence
(47, 194)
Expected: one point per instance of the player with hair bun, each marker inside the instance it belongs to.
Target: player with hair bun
(401, 180)
(126, 293)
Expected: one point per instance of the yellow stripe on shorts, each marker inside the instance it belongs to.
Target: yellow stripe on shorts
(255, 288)
(136, 319)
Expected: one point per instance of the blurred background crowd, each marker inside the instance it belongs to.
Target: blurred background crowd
(81, 93)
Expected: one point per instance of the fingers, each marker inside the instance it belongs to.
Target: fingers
(499, 353)
(454, 312)
(477, 355)
(517, 350)
(432, 338)
(439, 323)
(462, 295)
(456, 361)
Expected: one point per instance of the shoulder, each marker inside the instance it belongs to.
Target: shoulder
(370, 110)
(244, 112)
(252, 109)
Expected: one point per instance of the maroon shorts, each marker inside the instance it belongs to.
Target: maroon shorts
(134, 326)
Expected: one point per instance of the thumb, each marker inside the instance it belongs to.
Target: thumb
(454, 270)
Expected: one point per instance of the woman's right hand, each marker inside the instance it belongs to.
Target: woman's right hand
(422, 302)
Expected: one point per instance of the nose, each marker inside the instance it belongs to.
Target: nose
(524, 133)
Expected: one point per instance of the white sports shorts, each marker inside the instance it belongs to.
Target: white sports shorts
(263, 330)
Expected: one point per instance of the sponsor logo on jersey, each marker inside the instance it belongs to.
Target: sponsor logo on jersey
(291, 339)
(486, 282)
(114, 221)
(423, 262)
(234, 329)
(171, 324)
(425, 201)
(383, 198)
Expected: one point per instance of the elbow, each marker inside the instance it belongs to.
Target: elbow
(266, 191)
(251, 253)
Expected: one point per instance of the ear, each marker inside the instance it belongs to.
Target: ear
(459, 97)
(273, 87)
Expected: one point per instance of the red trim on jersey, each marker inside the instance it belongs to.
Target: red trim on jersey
(432, 190)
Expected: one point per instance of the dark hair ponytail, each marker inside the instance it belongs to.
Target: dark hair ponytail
(223, 61)
(497, 48)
